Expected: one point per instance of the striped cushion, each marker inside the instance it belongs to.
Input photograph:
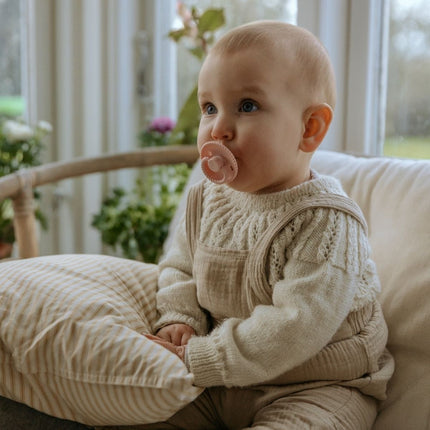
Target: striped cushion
(71, 343)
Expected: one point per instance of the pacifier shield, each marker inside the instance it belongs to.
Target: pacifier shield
(218, 163)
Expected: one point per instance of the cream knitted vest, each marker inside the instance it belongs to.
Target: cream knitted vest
(237, 221)
(317, 272)
(249, 267)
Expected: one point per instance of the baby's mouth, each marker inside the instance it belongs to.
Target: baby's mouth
(218, 163)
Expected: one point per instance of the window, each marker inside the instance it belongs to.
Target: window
(236, 12)
(81, 59)
(407, 130)
(11, 100)
(381, 54)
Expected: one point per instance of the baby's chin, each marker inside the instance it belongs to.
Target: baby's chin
(238, 185)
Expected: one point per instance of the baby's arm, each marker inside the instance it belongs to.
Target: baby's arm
(177, 297)
(308, 306)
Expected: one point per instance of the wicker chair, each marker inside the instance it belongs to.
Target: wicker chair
(19, 185)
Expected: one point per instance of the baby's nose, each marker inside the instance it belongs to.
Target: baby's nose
(222, 130)
(226, 135)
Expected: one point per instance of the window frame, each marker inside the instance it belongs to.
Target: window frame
(65, 72)
(79, 74)
(355, 34)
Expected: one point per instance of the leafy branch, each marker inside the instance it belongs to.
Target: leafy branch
(199, 30)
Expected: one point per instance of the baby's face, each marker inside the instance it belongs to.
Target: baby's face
(253, 104)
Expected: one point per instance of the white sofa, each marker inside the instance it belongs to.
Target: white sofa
(394, 195)
(395, 198)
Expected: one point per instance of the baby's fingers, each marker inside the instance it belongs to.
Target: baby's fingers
(186, 337)
(152, 337)
(178, 350)
(166, 333)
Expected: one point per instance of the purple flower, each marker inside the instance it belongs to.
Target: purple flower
(163, 124)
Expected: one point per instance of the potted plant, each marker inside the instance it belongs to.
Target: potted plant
(137, 221)
(21, 147)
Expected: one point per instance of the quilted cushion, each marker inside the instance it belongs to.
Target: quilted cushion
(71, 342)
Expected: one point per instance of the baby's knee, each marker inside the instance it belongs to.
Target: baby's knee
(331, 407)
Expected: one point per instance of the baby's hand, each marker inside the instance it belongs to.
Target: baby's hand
(178, 350)
(178, 334)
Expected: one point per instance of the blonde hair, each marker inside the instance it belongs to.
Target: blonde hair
(290, 42)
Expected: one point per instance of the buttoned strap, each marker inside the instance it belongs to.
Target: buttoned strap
(193, 215)
(256, 267)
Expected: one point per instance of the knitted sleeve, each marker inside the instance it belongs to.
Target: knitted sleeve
(177, 297)
(320, 280)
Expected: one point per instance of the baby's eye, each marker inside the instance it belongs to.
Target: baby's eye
(209, 109)
(248, 106)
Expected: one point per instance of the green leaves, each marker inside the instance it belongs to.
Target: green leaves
(211, 20)
(6, 226)
(199, 28)
(20, 147)
(188, 120)
(177, 35)
(138, 222)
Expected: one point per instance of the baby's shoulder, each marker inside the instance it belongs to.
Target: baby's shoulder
(329, 234)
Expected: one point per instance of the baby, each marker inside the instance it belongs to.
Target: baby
(268, 292)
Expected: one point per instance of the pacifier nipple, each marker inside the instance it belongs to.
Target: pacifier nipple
(218, 163)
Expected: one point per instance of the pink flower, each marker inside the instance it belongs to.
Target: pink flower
(184, 13)
(163, 124)
(188, 20)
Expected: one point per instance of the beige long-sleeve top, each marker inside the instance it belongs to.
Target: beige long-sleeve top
(318, 271)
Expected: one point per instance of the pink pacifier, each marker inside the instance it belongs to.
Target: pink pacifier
(218, 163)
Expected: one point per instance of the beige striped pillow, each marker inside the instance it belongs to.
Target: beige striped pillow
(71, 343)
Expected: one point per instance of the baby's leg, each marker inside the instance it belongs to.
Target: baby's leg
(201, 414)
(331, 407)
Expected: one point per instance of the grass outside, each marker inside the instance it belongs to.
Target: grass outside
(12, 106)
(408, 147)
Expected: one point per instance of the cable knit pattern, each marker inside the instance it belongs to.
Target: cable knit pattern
(318, 271)
(250, 214)
(234, 220)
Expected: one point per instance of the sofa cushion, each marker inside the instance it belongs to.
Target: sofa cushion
(395, 198)
(71, 342)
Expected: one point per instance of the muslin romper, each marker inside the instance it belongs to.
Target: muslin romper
(336, 389)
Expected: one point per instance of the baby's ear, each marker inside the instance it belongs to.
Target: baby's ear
(316, 121)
